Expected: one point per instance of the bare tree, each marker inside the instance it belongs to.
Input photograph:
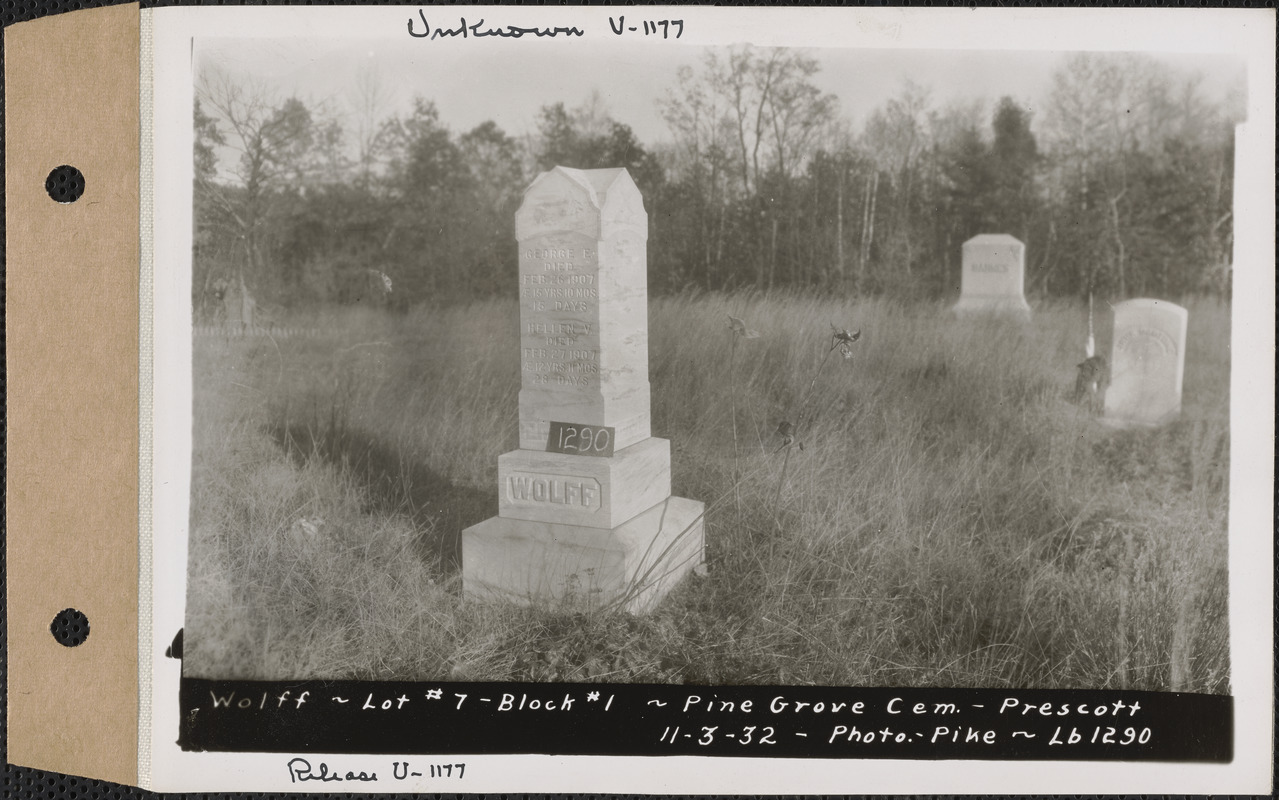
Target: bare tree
(897, 135)
(798, 112)
(369, 99)
(750, 117)
(703, 158)
(275, 141)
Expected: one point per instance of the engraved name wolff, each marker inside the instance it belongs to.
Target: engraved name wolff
(530, 489)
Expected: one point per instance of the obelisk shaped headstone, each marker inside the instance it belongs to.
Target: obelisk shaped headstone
(585, 508)
(583, 304)
(1147, 363)
(993, 276)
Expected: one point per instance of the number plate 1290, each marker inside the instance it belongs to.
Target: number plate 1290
(580, 440)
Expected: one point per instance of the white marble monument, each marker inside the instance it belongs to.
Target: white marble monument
(1147, 363)
(585, 513)
(994, 276)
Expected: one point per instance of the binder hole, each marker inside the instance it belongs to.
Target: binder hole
(65, 184)
(70, 628)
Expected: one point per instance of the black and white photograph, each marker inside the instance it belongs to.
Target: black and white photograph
(526, 354)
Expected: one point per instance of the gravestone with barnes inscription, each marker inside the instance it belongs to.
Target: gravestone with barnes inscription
(1147, 363)
(994, 276)
(585, 512)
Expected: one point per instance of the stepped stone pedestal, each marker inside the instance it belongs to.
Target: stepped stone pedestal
(585, 512)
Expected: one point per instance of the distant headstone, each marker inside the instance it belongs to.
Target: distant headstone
(239, 305)
(1147, 363)
(585, 513)
(994, 275)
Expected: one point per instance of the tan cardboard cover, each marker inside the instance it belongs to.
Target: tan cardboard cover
(71, 97)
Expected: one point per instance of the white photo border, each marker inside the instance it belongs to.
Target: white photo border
(1247, 33)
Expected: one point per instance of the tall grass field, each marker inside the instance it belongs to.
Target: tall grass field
(938, 512)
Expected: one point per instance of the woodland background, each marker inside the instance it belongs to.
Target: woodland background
(1119, 183)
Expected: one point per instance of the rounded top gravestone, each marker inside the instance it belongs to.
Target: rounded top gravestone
(1147, 363)
(583, 305)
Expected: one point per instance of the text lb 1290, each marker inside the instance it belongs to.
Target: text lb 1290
(580, 440)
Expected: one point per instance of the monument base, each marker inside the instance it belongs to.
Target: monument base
(1134, 423)
(635, 564)
(1012, 306)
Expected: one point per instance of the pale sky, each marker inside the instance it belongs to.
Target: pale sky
(509, 86)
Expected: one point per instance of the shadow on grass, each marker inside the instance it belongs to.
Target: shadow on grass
(394, 483)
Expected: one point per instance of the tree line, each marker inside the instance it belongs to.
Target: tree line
(1122, 187)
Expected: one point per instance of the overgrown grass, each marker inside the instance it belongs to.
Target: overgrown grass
(949, 521)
